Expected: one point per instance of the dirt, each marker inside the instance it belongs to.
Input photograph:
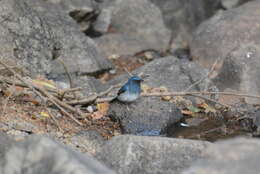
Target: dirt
(20, 118)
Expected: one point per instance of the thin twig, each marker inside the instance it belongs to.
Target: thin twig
(7, 99)
(55, 120)
(67, 72)
(36, 90)
(70, 90)
(62, 93)
(204, 77)
(22, 84)
(199, 92)
(107, 99)
(209, 99)
(128, 72)
(94, 97)
(23, 80)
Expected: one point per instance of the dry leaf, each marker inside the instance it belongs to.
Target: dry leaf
(160, 89)
(113, 57)
(193, 109)
(14, 90)
(29, 98)
(207, 108)
(44, 114)
(103, 107)
(102, 111)
(166, 98)
(97, 115)
(145, 88)
(186, 112)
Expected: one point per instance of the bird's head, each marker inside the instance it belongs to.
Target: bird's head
(136, 79)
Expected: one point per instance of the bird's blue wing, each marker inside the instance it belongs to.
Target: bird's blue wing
(122, 89)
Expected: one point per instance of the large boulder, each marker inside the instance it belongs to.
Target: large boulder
(153, 155)
(147, 116)
(236, 156)
(151, 115)
(5, 143)
(80, 10)
(43, 155)
(217, 37)
(232, 3)
(136, 25)
(182, 17)
(240, 71)
(33, 33)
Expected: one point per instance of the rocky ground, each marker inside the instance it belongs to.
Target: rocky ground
(60, 58)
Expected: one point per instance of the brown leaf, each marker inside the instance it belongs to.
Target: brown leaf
(97, 115)
(14, 90)
(207, 108)
(186, 112)
(103, 107)
(166, 98)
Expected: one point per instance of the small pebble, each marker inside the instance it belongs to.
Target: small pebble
(113, 56)
(112, 71)
(148, 55)
(90, 109)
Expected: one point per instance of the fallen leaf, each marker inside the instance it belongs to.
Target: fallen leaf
(194, 109)
(29, 98)
(113, 56)
(186, 112)
(97, 115)
(145, 88)
(166, 98)
(44, 114)
(207, 108)
(160, 89)
(14, 90)
(103, 107)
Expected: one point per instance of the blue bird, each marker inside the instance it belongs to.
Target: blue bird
(131, 90)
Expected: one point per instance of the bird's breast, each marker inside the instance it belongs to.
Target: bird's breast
(128, 97)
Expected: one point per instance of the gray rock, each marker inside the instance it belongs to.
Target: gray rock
(170, 72)
(34, 33)
(80, 10)
(236, 156)
(147, 116)
(87, 141)
(232, 3)
(240, 71)
(153, 155)
(151, 115)
(226, 31)
(42, 155)
(103, 21)
(256, 122)
(137, 26)
(5, 143)
(82, 6)
(182, 17)
(88, 84)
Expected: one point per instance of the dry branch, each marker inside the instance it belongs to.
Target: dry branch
(95, 97)
(44, 95)
(212, 69)
(197, 93)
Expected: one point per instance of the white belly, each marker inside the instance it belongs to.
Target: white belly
(126, 97)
